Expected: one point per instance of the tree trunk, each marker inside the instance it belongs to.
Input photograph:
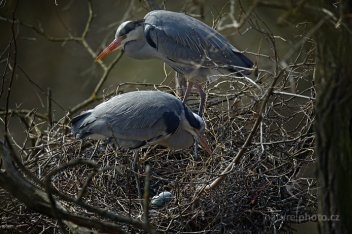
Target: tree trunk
(334, 120)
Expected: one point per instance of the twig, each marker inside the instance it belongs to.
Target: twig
(13, 70)
(293, 95)
(49, 109)
(22, 112)
(5, 70)
(146, 199)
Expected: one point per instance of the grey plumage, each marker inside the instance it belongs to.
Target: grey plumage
(140, 118)
(190, 46)
(186, 44)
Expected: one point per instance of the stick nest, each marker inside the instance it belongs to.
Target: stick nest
(268, 190)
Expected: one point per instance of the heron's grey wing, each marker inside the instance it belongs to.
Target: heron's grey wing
(79, 123)
(182, 39)
(142, 115)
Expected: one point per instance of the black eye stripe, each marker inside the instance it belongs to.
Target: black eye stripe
(130, 26)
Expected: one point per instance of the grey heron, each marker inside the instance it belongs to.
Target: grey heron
(189, 46)
(140, 118)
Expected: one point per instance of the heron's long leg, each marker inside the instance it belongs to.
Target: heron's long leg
(188, 91)
(181, 84)
(200, 111)
(203, 97)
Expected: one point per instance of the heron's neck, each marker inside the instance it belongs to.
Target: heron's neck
(133, 48)
(139, 49)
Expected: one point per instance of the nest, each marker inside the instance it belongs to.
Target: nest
(266, 190)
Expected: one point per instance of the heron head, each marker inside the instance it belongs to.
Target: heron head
(127, 31)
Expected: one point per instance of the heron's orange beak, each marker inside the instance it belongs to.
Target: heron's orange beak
(203, 142)
(115, 44)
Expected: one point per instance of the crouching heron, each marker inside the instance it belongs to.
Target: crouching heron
(190, 47)
(136, 119)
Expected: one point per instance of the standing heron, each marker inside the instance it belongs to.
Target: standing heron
(190, 47)
(136, 119)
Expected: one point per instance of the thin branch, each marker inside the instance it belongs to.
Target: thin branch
(14, 45)
(22, 112)
(293, 95)
(49, 108)
(146, 199)
(89, 20)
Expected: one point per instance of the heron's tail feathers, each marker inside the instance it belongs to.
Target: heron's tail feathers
(248, 63)
(242, 63)
(79, 125)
